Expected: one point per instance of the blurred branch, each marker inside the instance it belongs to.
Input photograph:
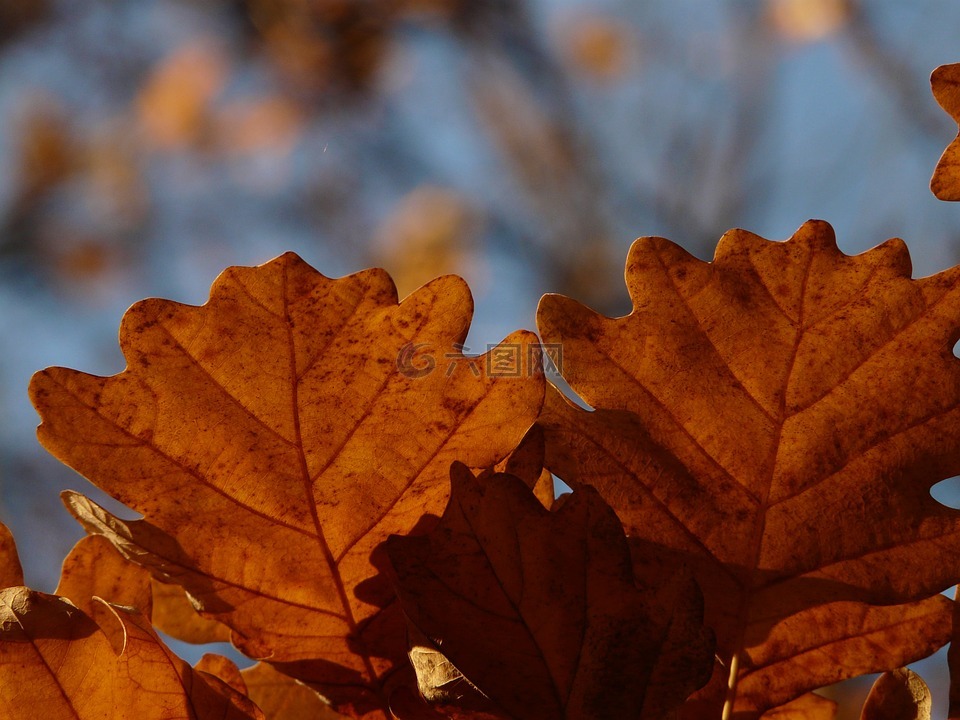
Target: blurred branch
(524, 99)
(912, 100)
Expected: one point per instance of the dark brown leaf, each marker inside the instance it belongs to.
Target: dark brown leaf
(542, 612)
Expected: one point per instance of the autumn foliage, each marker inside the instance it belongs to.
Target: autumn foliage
(327, 481)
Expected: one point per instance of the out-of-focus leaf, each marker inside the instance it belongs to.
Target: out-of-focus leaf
(428, 233)
(268, 124)
(542, 612)
(274, 437)
(174, 104)
(945, 182)
(898, 695)
(805, 21)
(776, 419)
(47, 153)
(597, 46)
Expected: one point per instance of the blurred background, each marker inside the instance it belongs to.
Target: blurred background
(147, 144)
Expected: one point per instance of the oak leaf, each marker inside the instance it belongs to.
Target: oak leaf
(94, 568)
(274, 437)
(898, 695)
(11, 573)
(775, 419)
(283, 698)
(542, 612)
(105, 663)
(945, 182)
(279, 696)
(806, 707)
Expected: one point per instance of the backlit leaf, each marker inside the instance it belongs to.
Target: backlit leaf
(57, 661)
(776, 419)
(274, 437)
(945, 182)
(898, 695)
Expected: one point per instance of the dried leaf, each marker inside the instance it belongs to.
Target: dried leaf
(174, 614)
(775, 419)
(283, 698)
(224, 669)
(56, 661)
(953, 661)
(273, 438)
(837, 641)
(898, 695)
(945, 182)
(526, 463)
(806, 707)
(11, 574)
(94, 569)
(541, 611)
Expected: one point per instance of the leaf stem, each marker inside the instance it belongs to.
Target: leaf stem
(731, 687)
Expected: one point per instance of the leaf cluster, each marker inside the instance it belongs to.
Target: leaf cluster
(325, 479)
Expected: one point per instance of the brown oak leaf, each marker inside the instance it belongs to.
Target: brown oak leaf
(283, 698)
(945, 182)
(11, 573)
(806, 707)
(898, 695)
(94, 568)
(776, 419)
(103, 662)
(279, 696)
(273, 437)
(542, 612)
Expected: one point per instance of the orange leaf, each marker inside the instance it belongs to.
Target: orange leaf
(58, 661)
(274, 437)
(174, 614)
(542, 611)
(224, 669)
(898, 695)
(945, 182)
(806, 707)
(526, 463)
(953, 661)
(775, 419)
(283, 698)
(94, 569)
(11, 574)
